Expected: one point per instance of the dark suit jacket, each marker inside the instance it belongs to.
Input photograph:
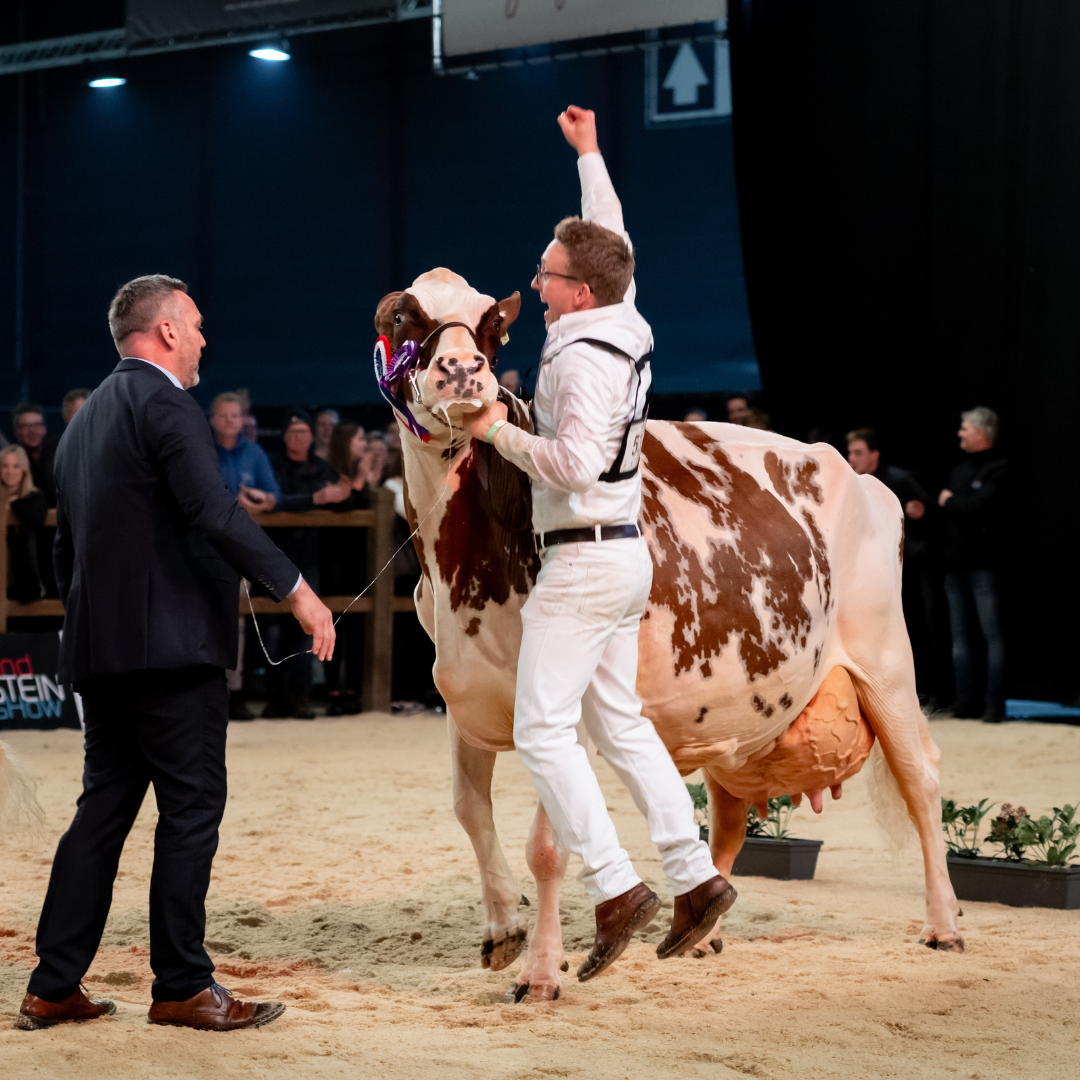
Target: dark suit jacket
(149, 543)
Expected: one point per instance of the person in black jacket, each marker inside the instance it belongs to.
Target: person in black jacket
(972, 504)
(27, 508)
(923, 602)
(149, 551)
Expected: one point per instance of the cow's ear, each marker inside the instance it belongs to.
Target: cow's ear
(384, 314)
(494, 328)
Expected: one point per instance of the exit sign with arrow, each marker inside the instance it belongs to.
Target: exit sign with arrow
(688, 83)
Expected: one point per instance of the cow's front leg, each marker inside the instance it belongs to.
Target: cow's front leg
(538, 979)
(505, 931)
(727, 831)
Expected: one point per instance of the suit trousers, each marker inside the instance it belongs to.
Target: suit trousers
(165, 728)
(578, 661)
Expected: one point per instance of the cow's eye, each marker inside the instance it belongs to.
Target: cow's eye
(397, 318)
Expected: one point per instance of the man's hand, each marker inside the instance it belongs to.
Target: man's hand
(944, 497)
(914, 508)
(255, 501)
(579, 127)
(316, 619)
(337, 492)
(480, 425)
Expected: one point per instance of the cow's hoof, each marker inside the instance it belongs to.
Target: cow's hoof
(699, 952)
(500, 952)
(565, 965)
(529, 992)
(955, 944)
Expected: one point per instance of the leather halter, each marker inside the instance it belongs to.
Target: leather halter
(446, 326)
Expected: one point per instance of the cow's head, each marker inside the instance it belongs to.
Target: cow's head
(453, 374)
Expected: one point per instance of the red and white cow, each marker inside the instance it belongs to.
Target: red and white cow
(773, 650)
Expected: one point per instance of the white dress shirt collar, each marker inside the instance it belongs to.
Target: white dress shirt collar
(168, 374)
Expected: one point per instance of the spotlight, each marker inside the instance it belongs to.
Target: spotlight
(277, 51)
(99, 84)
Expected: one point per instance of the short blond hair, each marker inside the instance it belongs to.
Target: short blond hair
(19, 454)
(599, 257)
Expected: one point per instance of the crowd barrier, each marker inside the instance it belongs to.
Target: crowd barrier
(378, 606)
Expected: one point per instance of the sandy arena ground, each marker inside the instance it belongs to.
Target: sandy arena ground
(345, 887)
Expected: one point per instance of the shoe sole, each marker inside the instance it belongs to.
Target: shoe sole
(716, 908)
(642, 917)
(261, 1022)
(38, 1023)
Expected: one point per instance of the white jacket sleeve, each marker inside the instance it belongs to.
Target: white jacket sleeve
(599, 202)
(575, 458)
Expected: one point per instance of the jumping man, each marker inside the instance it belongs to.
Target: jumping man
(579, 647)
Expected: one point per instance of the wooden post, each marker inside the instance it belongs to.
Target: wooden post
(379, 621)
(3, 566)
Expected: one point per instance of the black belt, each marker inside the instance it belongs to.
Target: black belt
(580, 536)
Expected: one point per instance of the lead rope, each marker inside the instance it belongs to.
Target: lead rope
(420, 524)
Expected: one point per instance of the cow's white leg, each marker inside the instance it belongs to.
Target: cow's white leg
(727, 831)
(892, 709)
(505, 929)
(539, 980)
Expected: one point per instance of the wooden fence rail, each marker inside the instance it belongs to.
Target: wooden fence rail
(378, 606)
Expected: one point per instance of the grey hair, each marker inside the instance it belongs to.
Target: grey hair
(135, 304)
(986, 420)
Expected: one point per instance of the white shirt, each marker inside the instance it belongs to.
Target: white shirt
(180, 386)
(583, 396)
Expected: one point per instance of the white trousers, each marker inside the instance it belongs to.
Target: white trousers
(579, 655)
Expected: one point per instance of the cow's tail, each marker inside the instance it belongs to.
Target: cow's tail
(21, 816)
(889, 809)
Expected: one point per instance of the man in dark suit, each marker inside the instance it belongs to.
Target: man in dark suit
(149, 550)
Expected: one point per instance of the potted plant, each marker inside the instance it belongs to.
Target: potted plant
(768, 850)
(1032, 866)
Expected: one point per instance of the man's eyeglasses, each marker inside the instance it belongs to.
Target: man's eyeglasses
(541, 273)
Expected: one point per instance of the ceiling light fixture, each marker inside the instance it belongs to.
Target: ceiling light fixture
(276, 52)
(100, 84)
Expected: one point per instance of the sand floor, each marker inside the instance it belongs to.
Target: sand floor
(345, 887)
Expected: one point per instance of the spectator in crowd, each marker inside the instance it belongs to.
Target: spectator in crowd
(325, 422)
(243, 463)
(510, 380)
(249, 428)
(305, 482)
(26, 508)
(696, 416)
(921, 584)
(738, 408)
(973, 506)
(756, 418)
(72, 403)
(32, 435)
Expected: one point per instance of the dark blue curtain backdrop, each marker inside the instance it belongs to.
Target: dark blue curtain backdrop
(293, 196)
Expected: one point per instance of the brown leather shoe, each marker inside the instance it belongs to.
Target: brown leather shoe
(215, 1009)
(695, 915)
(36, 1013)
(616, 922)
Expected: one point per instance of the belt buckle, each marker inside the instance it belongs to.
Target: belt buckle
(598, 528)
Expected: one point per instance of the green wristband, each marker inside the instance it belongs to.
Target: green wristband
(491, 430)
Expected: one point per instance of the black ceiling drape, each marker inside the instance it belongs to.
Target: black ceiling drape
(909, 186)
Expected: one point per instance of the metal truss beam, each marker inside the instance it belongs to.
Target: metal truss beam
(112, 44)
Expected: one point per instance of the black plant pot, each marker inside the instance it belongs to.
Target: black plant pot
(1003, 881)
(788, 859)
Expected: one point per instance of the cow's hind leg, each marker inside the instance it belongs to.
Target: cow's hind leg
(505, 930)
(892, 709)
(727, 831)
(538, 979)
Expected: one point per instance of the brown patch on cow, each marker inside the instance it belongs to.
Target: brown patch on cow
(701, 715)
(485, 548)
(785, 701)
(474, 627)
(779, 473)
(413, 520)
(772, 548)
(495, 324)
(401, 318)
(821, 558)
(805, 484)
